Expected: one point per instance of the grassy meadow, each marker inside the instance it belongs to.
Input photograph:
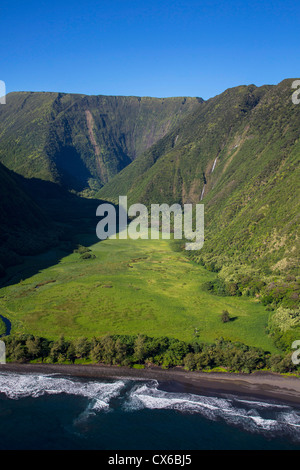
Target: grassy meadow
(130, 287)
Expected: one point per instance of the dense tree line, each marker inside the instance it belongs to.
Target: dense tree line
(282, 292)
(142, 351)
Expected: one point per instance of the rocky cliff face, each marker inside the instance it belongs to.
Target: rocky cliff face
(82, 141)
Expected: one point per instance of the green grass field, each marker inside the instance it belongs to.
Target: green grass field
(131, 287)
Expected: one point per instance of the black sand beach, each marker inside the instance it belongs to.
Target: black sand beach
(257, 385)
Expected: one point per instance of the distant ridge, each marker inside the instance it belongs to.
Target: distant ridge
(81, 141)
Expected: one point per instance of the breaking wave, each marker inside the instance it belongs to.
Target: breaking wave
(252, 416)
(17, 386)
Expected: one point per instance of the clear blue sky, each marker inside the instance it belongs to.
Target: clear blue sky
(147, 48)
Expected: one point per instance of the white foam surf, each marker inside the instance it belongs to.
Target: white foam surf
(250, 415)
(253, 416)
(17, 386)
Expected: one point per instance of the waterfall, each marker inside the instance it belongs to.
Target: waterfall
(214, 165)
(202, 194)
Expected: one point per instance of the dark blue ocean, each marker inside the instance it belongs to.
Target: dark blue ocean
(56, 412)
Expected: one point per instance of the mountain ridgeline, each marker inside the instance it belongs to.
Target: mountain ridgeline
(80, 141)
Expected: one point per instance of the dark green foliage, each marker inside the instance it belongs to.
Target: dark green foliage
(211, 266)
(82, 348)
(87, 256)
(284, 339)
(225, 317)
(25, 348)
(281, 364)
(217, 287)
(282, 292)
(71, 353)
(220, 287)
(142, 350)
(82, 249)
(59, 350)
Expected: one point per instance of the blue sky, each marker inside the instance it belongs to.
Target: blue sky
(147, 48)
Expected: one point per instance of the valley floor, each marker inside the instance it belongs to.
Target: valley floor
(129, 287)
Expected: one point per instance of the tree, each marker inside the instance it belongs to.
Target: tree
(178, 350)
(33, 346)
(59, 350)
(121, 351)
(96, 352)
(44, 348)
(232, 288)
(225, 316)
(108, 346)
(203, 360)
(82, 348)
(140, 348)
(71, 353)
(189, 361)
(19, 353)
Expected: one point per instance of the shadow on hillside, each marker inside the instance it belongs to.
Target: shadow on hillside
(65, 220)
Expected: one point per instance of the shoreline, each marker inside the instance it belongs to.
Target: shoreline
(258, 385)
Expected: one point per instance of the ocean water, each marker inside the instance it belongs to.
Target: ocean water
(62, 412)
